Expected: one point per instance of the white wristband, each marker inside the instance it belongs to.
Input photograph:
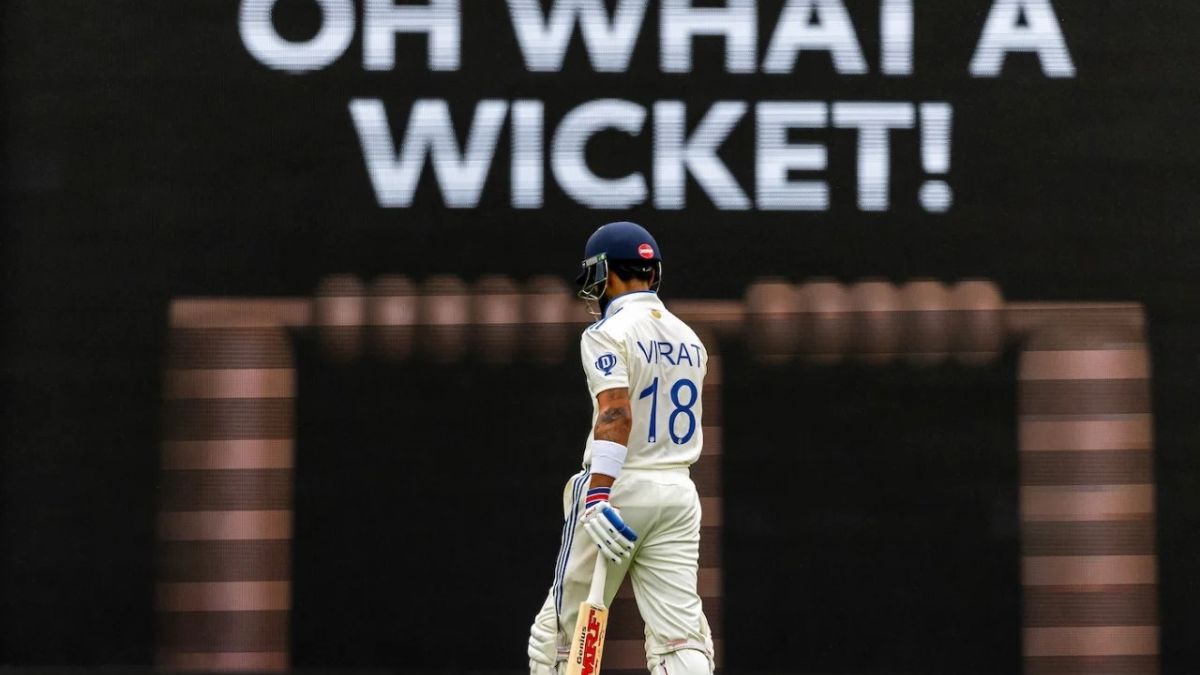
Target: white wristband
(608, 458)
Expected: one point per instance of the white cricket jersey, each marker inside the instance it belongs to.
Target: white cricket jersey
(641, 346)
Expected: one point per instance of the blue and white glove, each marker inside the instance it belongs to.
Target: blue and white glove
(602, 521)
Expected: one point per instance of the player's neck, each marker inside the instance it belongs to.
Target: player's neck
(618, 287)
(621, 297)
(616, 301)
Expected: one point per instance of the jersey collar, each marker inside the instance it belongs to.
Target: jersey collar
(628, 298)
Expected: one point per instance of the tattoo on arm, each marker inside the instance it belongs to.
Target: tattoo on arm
(612, 415)
(616, 418)
(614, 425)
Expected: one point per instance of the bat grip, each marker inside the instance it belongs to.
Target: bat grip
(599, 578)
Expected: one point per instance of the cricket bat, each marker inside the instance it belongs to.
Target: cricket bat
(587, 645)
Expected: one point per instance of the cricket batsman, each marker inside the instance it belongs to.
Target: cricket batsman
(634, 501)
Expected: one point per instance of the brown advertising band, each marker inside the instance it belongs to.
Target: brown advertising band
(875, 322)
(1089, 562)
(1089, 568)
(223, 595)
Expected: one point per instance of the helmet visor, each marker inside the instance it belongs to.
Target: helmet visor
(593, 277)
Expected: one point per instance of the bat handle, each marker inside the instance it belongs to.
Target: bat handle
(599, 578)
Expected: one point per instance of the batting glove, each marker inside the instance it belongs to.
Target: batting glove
(602, 521)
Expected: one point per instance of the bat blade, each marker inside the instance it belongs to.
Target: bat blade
(587, 644)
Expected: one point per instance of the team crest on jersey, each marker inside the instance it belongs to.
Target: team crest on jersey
(656, 314)
(606, 363)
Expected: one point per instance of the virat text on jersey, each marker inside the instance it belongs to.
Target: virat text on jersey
(653, 351)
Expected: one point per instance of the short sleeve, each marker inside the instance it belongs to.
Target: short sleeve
(604, 362)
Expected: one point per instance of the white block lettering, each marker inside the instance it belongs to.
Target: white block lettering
(1003, 33)
(430, 134)
(544, 40)
(527, 139)
(777, 157)
(265, 44)
(833, 33)
(679, 22)
(674, 155)
(568, 160)
(896, 36)
(873, 121)
(440, 19)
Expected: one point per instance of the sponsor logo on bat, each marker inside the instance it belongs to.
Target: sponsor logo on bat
(589, 640)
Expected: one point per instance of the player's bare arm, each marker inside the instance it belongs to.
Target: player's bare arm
(601, 520)
(615, 420)
(613, 424)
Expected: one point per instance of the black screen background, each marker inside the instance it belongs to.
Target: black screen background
(148, 156)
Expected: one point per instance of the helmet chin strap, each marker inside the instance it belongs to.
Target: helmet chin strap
(597, 306)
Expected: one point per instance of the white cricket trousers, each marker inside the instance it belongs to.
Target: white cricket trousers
(663, 508)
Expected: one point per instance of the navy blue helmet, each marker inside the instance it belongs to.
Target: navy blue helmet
(625, 243)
